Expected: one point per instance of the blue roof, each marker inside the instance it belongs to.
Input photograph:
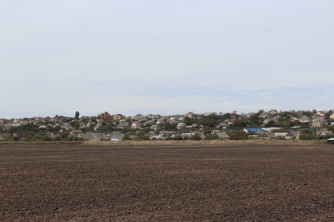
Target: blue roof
(253, 130)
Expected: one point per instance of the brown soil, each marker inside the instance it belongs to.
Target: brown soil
(189, 183)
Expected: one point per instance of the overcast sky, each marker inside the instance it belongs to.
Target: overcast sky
(167, 57)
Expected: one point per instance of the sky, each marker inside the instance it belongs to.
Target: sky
(167, 57)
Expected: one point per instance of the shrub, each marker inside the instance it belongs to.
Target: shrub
(176, 137)
(126, 137)
(239, 135)
(195, 137)
(47, 138)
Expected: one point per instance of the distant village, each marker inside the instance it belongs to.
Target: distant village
(266, 125)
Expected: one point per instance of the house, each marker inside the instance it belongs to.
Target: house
(331, 116)
(267, 120)
(134, 118)
(320, 122)
(180, 126)
(327, 133)
(136, 125)
(148, 122)
(268, 136)
(209, 113)
(98, 125)
(181, 119)
(99, 120)
(86, 136)
(116, 136)
(305, 119)
(189, 114)
(321, 113)
(293, 119)
(82, 125)
(40, 119)
(118, 116)
(99, 136)
(155, 127)
(174, 118)
(319, 131)
(221, 125)
(165, 133)
(21, 135)
(263, 115)
(156, 137)
(269, 129)
(273, 112)
(90, 124)
(281, 134)
(160, 121)
(222, 135)
(123, 125)
(106, 116)
(48, 118)
(187, 135)
(194, 125)
(253, 137)
(253, 130)
(233, 114)
(76, 132)
(292, 135)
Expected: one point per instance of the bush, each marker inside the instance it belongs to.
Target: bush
(34, 138)
(126, 137)
(212, 136)
(195, 137)
(239, 135)
(177, 137)
(141, 138)
(307, 137)
(56, 138)
(307, 134)
(47, 138)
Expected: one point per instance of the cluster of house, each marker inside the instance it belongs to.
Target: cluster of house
(138, 122)
(266, 133)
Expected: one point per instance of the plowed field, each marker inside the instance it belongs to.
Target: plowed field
(101, 183)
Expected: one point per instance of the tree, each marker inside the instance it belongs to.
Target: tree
(195, 137)
(226, 116)
(75, 124)
(239, 135)
(240, 123)
(271, 123)
(77, 115)
(126, 137)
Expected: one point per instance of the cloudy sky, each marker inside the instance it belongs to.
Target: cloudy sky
(167, 57)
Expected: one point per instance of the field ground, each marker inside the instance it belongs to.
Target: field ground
(258, 182)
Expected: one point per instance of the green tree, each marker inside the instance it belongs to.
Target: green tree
(271, 123)
(240, 123)
(75, 124)
(126, 137)
(239, 135)
(77, 114)
(195, 137)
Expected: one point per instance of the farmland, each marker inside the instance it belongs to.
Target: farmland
(166, 183)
